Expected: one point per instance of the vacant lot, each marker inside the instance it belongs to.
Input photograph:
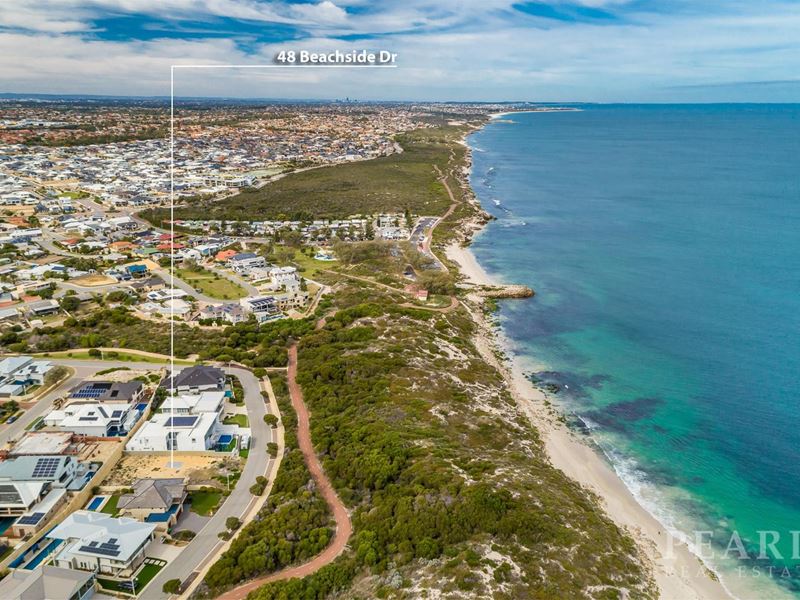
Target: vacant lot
(401, 181)
(93, 280)
(211, 284)
(136, 466)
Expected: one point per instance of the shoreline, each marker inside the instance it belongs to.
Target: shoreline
(679, 573)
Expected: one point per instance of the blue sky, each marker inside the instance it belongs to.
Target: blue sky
(489, 50)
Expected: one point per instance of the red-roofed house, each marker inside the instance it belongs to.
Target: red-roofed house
(225, 255)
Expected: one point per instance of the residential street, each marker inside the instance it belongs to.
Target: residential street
(240, 499)
(238, 502)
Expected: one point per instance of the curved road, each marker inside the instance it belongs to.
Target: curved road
(344, 527)
(238, 503)
(206, 543)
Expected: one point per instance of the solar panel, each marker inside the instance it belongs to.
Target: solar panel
(181, 421)
(46, 467)
(116, 414)
(30, 519)
(102, 549)
(87, 419)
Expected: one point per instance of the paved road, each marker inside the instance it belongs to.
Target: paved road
(83, 369)
(237, 504)
(344, 527)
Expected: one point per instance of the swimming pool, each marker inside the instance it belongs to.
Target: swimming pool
(96, 502)
(48, 550)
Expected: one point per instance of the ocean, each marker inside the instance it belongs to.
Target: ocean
(663, 242)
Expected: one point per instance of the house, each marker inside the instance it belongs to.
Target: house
(157, 501)
(230, 312)
(17, 373)
(193, 404)
(48, 443)
(185, 433)
(25, 480)
(161, 295)
(121, 246)
(284, 277)
(36, 517)
(124, 392)
(148, 285)
(94, 419)
(263, 307)
(95, 541)
(137, 270)
(225, 255)
(53, 583)
(242, 263)
(200, 378)
(42, 308)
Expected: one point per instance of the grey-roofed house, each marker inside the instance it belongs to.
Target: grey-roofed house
(127, 392)
(157, 501)
(200, 378)
(52, 583)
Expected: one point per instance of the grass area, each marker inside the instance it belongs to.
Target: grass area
(118, 357)
(6, 551)
(143, 577)
(310, 266)
(244, 453)
(211, 284)
(240, 420)
(390, 183)
(34, 425)
(203, 503)
(110, 507)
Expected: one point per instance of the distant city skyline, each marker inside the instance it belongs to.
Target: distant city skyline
(497, 50)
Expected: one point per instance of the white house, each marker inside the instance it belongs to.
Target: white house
(93, 419)
(182, 433)
(284, 276)
(17, 373)
(193, 404)
(244, 261)
(95, 541)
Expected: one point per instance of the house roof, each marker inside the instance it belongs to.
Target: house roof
(105, 391)
(199, 375)
(153, 494)
(102, 536)
(53, 583)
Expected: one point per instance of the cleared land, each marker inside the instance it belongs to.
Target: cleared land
(135, 466)
(211, 284)
(401, 181)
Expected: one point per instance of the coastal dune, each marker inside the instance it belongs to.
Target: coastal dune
(679, 574)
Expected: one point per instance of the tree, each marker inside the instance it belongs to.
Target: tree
(232, 523)
(95, 353)
(70, 303)
(271, 420)
(272, 449)
(55, 374)
(173, 586)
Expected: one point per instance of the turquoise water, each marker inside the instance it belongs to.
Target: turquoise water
(664, 246)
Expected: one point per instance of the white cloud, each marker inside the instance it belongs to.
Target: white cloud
(502, 59)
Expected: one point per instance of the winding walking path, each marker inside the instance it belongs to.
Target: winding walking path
(344, 527)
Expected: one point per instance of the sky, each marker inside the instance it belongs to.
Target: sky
(467, 50)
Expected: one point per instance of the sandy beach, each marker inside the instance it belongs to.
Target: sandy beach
(679, 574)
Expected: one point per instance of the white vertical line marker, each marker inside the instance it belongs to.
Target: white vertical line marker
(172, 264)
(172, 204)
